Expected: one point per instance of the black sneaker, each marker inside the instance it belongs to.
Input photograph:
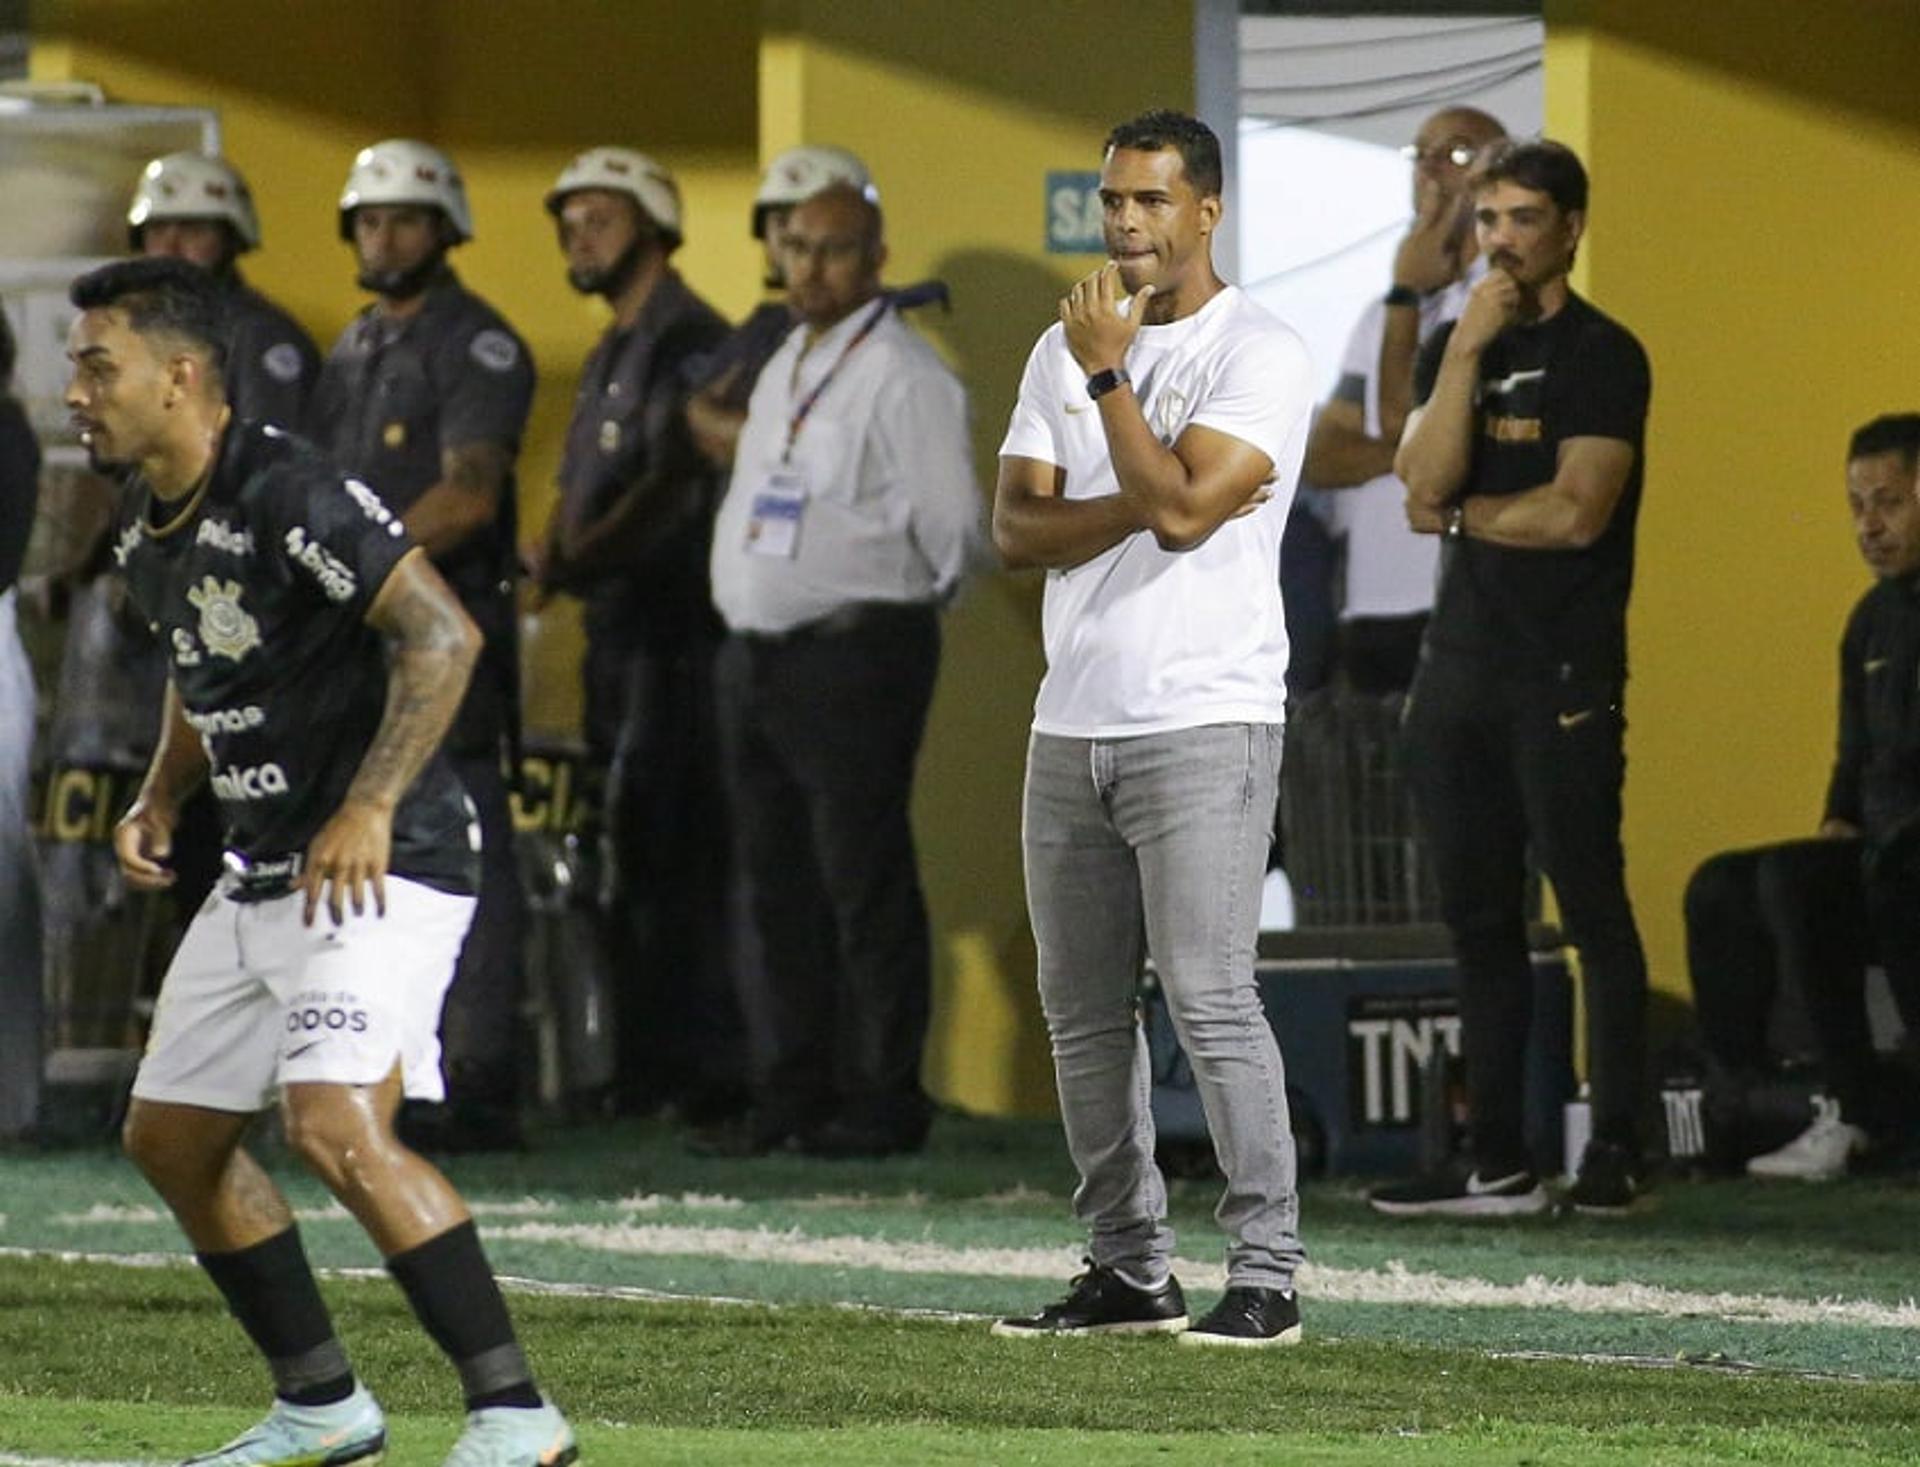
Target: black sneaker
(1249, 1317)
(1608, 1183)
(1517, 1194)
(1100, 1302)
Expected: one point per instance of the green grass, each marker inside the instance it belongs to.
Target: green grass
(105, 1362)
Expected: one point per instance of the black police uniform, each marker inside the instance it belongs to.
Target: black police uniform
(272, 364)
(1515, 724)
(652, 636)
(393, 396)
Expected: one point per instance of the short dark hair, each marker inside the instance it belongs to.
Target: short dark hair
(1889, 433)
(1539, 164)
(1191, 138)
(162, 297)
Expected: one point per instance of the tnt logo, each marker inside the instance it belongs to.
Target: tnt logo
(1390, 1038)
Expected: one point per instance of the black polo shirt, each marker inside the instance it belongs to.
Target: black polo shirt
(259, 596)
(1876, 773)
(1558, 613)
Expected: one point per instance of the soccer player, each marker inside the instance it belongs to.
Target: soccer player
(317, 660)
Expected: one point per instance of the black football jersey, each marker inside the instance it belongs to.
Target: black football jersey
(259, 593)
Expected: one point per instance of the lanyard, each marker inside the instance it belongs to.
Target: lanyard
(801, 413)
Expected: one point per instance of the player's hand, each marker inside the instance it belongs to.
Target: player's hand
(1098, 334)
(1835, 828)
(142, 841)
(1429, 255)
(347, 859)
(1424, 519)
(1491, 308)
(713, 426)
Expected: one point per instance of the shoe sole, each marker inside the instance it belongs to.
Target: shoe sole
(343, 1457)
(1526, 1204)
(1207, 1339)
(1004, 1331)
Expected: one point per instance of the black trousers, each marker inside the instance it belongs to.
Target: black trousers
(1806, 916)
(1380, 654)
(1502, 765)
(650, 722)
(480, 1027)
(821, 730)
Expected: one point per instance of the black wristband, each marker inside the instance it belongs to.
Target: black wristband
(1101, 383)
(1402, 295)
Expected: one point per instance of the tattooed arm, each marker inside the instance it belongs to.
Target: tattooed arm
(431, 644)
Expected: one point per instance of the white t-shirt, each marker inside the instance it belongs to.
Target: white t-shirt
(1390, 570)
(1142, 640)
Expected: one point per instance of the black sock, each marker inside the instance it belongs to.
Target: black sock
(451, 1289)
(271, 1291)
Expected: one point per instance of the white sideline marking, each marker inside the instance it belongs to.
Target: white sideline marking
(7, 1459)
(1395, 1284)
(102, 1213)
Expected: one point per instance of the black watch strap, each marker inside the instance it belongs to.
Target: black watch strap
(1402, 295)
(1101, 383)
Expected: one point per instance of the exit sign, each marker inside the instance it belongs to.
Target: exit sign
(1073, 214)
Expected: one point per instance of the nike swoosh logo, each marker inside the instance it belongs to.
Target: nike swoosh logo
(1574, 720)
(1478, 1188)
(310, 1044)
(1506, 384)
(1874, 664)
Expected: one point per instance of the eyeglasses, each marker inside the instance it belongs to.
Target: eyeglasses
(1457, 153)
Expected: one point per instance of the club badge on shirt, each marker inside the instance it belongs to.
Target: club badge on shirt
(394, 435)
(610, 436)
(779, 508)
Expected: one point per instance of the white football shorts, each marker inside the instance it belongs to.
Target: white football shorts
(254, 1000)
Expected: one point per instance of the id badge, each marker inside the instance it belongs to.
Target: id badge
(779, 506)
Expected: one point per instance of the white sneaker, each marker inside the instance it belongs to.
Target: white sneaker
(1818, 1154)
(506, 1436)
(347, 1432)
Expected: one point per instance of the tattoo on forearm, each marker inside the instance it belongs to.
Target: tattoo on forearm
(432, 655)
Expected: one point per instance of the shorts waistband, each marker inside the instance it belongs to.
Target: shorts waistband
(259, 878)
(860, 616)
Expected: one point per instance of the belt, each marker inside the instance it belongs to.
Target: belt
(857, 616)
(259, 878)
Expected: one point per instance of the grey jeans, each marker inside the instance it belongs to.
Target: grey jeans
(1159, 844)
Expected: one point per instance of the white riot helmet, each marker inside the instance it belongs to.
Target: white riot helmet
(402, 171)
(800, 173)
(623, 171)
(193, 186)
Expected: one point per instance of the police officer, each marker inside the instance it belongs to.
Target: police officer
(718, 410)
(424, 398)
(630, 538)
(199, 209)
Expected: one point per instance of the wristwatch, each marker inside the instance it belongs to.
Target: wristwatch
(1457, 522)
(1402, 295)
(1101, 383)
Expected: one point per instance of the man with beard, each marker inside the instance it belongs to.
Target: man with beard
(630, 538)
(1388, 569)
(424, 398)
(199, 209)
(315, 661)
(1525, 453)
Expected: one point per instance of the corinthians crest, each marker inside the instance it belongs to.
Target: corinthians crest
(225, 629)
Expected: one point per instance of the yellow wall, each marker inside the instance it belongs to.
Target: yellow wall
(959, 109)
(1756, 167)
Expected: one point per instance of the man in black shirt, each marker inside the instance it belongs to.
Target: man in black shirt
(1526, 455)
(316, 661)
(1809, 915)
(188, 206)
(424, 398)
(630, 537)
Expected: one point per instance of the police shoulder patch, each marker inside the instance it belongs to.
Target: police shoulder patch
(495, 350)
(282, 362)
